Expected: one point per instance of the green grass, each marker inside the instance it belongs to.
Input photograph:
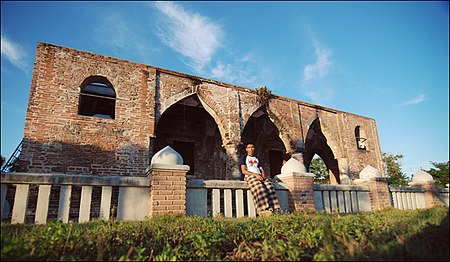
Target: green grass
(382, 235)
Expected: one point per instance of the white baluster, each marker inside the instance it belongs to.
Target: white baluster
(42, 204)
(105, 204)
(85, 204)
(20, 204)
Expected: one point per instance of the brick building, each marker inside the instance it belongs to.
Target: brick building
(93, 114)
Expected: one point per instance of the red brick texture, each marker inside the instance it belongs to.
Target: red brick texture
(380, 197)
(59, 140)
(431, 195)
(301, 193)
(167, 192)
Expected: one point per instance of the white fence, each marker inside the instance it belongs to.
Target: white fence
(82, 198)
(341, 198)
(132, 200)
(407, 197)
(229, 198)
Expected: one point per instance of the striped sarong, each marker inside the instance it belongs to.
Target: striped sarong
(263, 193)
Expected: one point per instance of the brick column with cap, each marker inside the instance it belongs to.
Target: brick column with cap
(380, 198)
(167, 183)
(300, 184)
(426, 181)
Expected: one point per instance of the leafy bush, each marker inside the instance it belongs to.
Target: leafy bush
(382, 235)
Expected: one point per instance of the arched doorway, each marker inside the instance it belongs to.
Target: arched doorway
(269, 147)
(316, 143)
(189, 129)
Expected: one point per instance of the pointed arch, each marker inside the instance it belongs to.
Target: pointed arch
(189, 128)
(317, 143)
(265, 135)
(277, 120)
(283, 127)
(185, 95)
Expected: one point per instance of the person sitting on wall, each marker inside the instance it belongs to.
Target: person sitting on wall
(261, 189)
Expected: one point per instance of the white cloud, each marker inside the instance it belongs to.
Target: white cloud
(221, 71)
(314, 84)
(118, 32)
(320, 67)
(124, 37)
(190, 34)
(244, 72)
(415, 100)
(14, 53)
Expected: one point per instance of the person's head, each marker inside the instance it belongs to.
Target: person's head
(250, 148)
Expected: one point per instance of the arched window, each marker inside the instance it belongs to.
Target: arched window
(361, 138)
(97, 98)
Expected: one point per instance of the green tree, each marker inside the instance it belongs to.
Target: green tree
(320, 171)
(394, 171)
(440, 173)
(2, 161)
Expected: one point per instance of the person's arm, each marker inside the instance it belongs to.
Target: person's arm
(263, 175)
(248, 173)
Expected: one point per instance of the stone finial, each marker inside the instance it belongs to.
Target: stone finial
(369, 173)
(293, 165)
(421, 177)
(167, 156)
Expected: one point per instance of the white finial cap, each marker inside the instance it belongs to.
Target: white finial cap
(293, 165)
(369, 172)
(167, 156)
(422, 177)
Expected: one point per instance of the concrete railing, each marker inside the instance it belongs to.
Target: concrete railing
(407, 197)
(37, 198)
(229, 198)
(132, 203)
(341, 198)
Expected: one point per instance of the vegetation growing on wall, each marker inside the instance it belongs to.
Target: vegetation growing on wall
(264, 94)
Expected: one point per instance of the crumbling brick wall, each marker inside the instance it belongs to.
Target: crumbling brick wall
(58, 139)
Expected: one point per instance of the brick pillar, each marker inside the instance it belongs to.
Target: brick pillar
(232, 168)
(167, 189)
(301, 193)
(431, 193)
(380, 197)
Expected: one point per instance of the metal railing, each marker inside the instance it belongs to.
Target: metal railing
(9, 165)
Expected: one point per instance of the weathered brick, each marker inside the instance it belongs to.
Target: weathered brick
(149, 116)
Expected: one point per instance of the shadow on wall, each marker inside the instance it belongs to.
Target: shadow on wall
(127, 159)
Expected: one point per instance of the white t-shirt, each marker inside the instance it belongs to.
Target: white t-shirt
(252, 164)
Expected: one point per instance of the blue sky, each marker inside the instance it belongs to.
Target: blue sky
(384, 60)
